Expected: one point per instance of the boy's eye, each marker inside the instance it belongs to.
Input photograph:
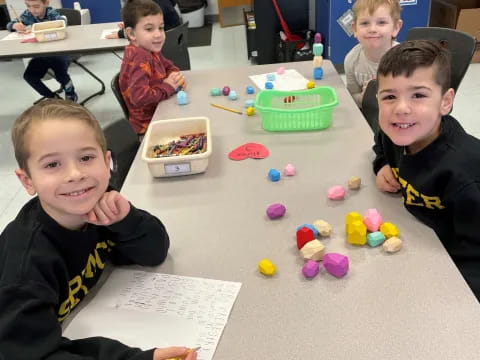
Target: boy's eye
(364, 23)
(419, 95)
(388, 97)
(86, 158)
(52, 165)
(382, 22)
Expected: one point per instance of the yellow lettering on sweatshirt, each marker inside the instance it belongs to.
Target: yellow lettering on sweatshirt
(77, 288)
(413, 197)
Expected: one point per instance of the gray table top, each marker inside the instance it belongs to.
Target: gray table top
(410, 305)
(81, 39)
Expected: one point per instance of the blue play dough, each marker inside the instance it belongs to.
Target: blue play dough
(274, 175)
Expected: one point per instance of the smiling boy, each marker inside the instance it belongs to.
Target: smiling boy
(426, 154)
(55, 250)
(376, 24)
(146, 76)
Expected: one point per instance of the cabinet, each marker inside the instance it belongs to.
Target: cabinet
(222, 4)
(100, 11)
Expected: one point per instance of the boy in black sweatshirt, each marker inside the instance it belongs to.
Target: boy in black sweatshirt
(54, 251)
(426, 154)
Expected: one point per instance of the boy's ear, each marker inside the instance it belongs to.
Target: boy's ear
(26, 181)
(447, 102)
(109, 162)
(354, 28)
(130, 33)
(397, 28)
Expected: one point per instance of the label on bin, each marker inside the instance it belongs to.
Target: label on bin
(182, 168)
(51, 36)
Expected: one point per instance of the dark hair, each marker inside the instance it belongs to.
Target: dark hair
(408, 56)
(134, 10)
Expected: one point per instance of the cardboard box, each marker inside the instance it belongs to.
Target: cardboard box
(463, 15)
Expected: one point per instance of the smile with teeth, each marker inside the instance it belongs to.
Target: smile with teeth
(77, 193)
(403, 125)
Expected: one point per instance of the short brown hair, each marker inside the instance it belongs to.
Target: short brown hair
(48, 110)
(134, 10)
(371, 5)
(408, 56)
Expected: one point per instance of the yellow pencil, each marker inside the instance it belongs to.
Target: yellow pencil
(227, 108)
(15, 14)
(187, 353)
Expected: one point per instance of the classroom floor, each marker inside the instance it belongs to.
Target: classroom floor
(228, 49)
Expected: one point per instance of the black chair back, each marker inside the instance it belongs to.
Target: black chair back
(460, 45)
(73, 16)
(175, 48)
(370, 105)
(118, 94)
(123, 143)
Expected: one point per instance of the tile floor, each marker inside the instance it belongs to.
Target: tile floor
(228, 49)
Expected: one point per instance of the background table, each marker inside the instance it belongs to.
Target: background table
(80, 40)
(410, 305)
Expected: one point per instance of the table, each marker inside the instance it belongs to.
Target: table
(410, 305)
(80, 40)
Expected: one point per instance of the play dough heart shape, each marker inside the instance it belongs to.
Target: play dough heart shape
(249, 150)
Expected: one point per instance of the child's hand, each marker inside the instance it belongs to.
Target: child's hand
(175, 79)
(112, 35)
(386, 181)
(110, 209)
(173, 353)
(19, 27)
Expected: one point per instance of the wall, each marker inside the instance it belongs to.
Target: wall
(212, 8)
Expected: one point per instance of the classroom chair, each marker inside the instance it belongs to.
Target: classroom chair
(118, 94)
(370, 105)
(175, 48)
(461, 47)
(123, 143)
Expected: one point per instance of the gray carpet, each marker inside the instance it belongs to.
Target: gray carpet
(200, 36)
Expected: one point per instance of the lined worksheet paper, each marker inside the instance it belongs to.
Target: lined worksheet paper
(156, 310)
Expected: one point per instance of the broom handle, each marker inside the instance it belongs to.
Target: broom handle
(282, 21)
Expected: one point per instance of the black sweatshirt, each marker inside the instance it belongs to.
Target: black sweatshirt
(441, 187)
(46, 270)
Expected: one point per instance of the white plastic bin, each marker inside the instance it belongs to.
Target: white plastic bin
(49, 30)
(164, 131)
(195, 18)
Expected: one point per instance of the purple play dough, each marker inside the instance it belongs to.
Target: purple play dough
(276, 211)
(336, 264)
(310, 269)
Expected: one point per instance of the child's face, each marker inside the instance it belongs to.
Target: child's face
(67, 169)
(376, 31)
(410, 109)
(37, 7)
(149, 33)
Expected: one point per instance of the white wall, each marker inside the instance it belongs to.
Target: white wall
(212, 7)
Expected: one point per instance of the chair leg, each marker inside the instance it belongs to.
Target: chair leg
(101, 91)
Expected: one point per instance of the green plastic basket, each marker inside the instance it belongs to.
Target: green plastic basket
(298, 110)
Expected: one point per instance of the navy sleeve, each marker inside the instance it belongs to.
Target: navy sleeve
(29, 330)
(140, 239)
(380, 160)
